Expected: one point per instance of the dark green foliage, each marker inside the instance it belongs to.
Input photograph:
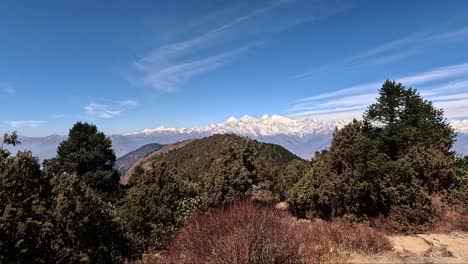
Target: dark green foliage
(137, 172)
(89, 154)
(54, 218)
(290, 175)
(85, 150)
(195, 158)
(25, 227)
(86, 228)
(225, 166)
(401, 118)
(230, 176)
(390, 165)
(156, 206)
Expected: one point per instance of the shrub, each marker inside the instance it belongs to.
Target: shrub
(155, 207)
(245, 232)
(457, 198)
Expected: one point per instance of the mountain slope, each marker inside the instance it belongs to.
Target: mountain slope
(193, 158)
(144, 162)
(124, 163)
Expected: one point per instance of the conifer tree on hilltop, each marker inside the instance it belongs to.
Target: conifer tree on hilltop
(390, 164)
(88, 153)
(401, 118)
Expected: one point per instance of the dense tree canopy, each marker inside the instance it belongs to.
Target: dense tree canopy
(87, 153)
(390, 164)
(54, 216)
(25, 226)
(86, 228)
(154, 207)
(401, 118)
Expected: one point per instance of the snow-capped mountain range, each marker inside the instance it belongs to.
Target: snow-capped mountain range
(301, 136)
(265, 125)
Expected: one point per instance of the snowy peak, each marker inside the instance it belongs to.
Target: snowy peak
(270, 125)
(265, 125)
(460, 126)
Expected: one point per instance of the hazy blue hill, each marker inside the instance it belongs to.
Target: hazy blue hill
(42, 147)
(124, 163)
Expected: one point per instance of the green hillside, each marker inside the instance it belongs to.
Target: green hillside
(124, 163)
(199, 156)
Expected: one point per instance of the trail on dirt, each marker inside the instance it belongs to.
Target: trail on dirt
(422, 248)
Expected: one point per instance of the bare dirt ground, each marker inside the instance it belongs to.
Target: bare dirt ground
(423, 248)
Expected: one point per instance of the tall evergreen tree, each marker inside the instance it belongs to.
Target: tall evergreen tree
(401, 118)
(88, 153)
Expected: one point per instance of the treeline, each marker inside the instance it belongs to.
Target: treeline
(64, 213)
(393, 164)
(395, 169)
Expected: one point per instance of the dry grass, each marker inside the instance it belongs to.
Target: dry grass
(447, 218)
(351, 236)
(249, 233)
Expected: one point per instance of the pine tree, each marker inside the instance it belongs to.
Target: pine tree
(401, 118)
(87, 153)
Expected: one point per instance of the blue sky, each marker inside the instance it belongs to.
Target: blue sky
(130, 65)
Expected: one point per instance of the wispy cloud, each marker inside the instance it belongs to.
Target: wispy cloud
(7, 89)
(168, 77)
(393, 51)
(446, 86)
(108, 109)
(25, 123)
(167, 67)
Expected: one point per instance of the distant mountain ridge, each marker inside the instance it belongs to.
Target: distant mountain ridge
(301, 136)
(124, 163)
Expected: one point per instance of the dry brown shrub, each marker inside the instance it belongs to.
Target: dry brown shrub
(446, 217)
(352, 236)
(245, 232)
(384, 225)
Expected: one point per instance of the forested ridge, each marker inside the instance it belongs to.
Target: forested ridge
(393, 171)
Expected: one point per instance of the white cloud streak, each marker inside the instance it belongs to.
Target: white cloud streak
(445, 86)
(108, 109)
(168, 77)
(25, 123)
(169, 66)
(166, 68)
(394, 50)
